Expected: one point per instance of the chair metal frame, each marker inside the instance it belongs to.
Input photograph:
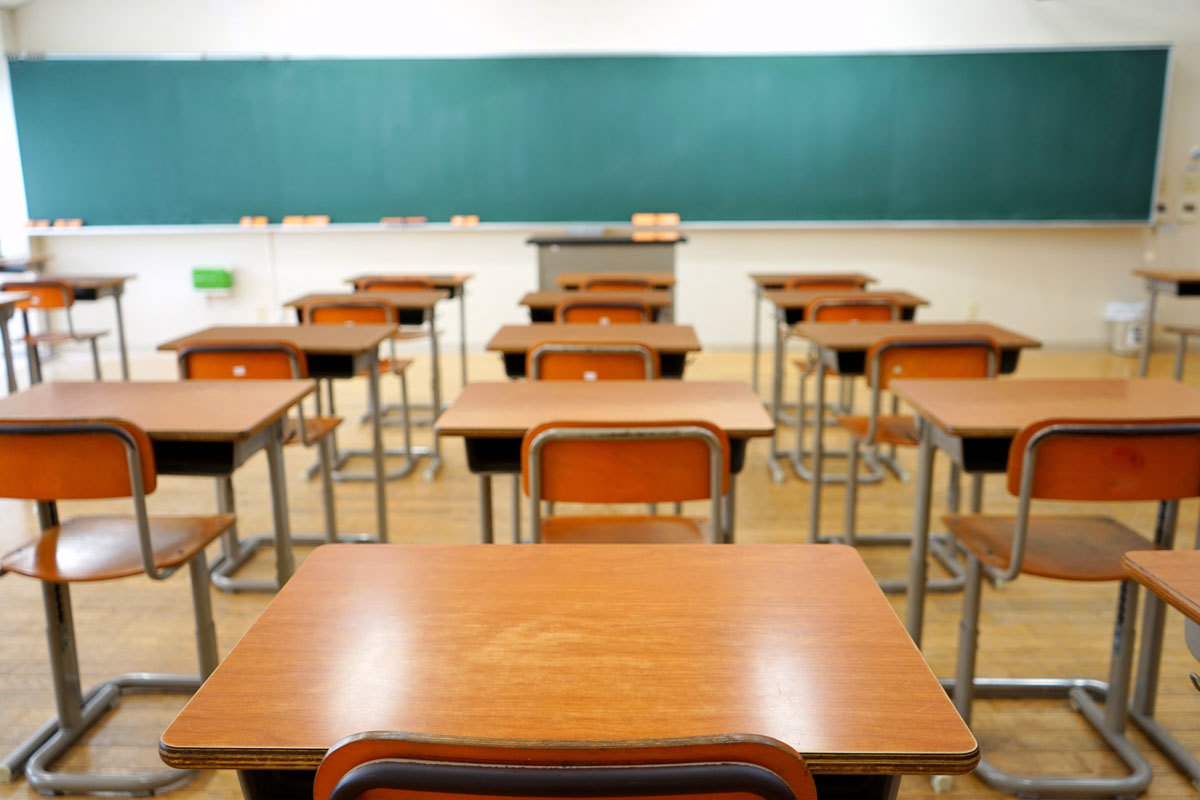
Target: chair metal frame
(535, 354)
(1082, 693)
(797, 455)
(411, 453)
(79, 711)
(944, 546)
(31, 348)
(560, 312)
(716, 459)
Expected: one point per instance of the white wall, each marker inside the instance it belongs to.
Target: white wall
(1048, 283)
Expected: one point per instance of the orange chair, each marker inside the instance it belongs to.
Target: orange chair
(1105, 461)
(579, 361)
(45, 295)
(396, 766)
(52, 460)
(647, 462)
(849, 307)
(602, 312)
(262, 361)
(913, 356)
(362, 310)
(602, 284)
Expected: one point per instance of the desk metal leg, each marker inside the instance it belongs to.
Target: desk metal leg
(9, 371)
(462, 332)
(516, 508)
(121, 335)
(777, 400)
(485, 509)
(435, 381)
(818, 453)
(1151, 308)
(381, 525)
(920, 540)
(754, 347)
(730, 521)
(284, 562)
(1180, 356)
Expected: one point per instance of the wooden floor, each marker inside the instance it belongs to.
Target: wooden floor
(1031, 628)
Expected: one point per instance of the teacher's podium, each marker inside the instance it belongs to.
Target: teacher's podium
(606, 252)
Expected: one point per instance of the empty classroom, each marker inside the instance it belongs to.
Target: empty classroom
(535, 399)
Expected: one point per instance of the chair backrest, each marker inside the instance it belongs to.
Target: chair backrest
(605, 312)
(349, 312)
(852, 308)
(43, 293)
(70, 459)
(804, 283)
(616, 285)
(393, 766)
(598, 361)
(251, 360)
(395, 283)
(1100, 460)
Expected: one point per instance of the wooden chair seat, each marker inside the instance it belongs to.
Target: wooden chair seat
(396, 366)
(625, 530)
(1067, 548)
(62, 337)
(898, 430)
(808, 366)
(103, 547)
(315, 429)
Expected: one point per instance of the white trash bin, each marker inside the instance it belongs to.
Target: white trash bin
(1126, 322)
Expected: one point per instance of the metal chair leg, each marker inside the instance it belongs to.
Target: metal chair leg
(95, 359)
(410, 453)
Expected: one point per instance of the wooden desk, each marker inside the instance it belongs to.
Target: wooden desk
(455, 283)
(332, 351)
(207, 428)
(673, 342)
(89, 288)
(575, 643)
(8, 306)
(1178, 283)
(975, 421)
(777, 280)
(493, 417)
(574, 280)
(1172, 575)
(542, 304)
(843, 348)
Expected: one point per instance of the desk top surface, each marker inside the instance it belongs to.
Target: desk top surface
(662, 336)
(1188, 330)
(440, 280)
(1169, 275)
(577, 643)
(1173, 575)
(508, 410)
(655, 298)
(417, 298)
(660, 280)
(86, 281)
(1000, 408)
(781, 278)
(800, 298)
(312, 339)
(224, 411)
(863, 335)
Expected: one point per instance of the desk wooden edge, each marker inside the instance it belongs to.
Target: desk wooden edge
(1154, 583)
(498, 433)
(320, 297)
(821, 763)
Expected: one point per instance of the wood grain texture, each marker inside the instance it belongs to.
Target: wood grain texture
(1172, 575)
(782, 278)
(574, 280)
(419, 298)
(1000, 408)
(439, 280)
(593, 642)
(800, 298)
(653, 298)
(509, 410)
(321, 339)
(225, 411)
(663, 337)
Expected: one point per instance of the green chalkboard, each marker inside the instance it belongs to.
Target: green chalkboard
(1020, 136)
